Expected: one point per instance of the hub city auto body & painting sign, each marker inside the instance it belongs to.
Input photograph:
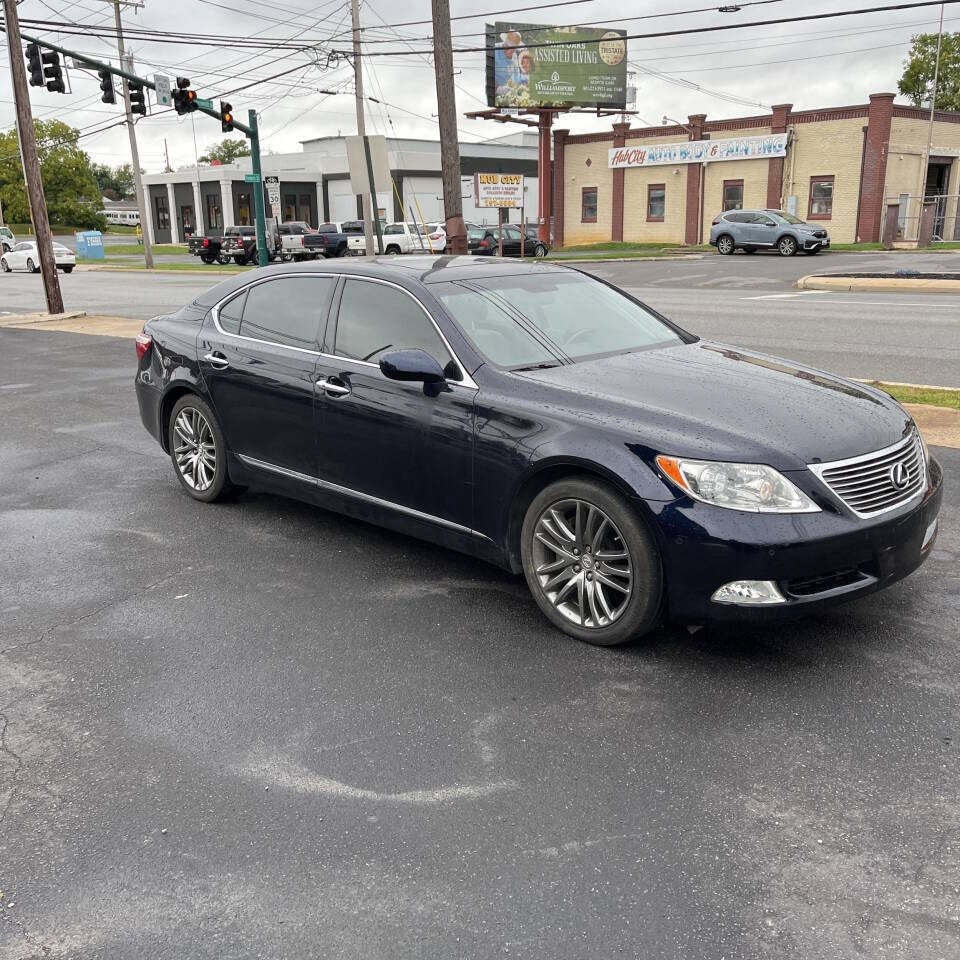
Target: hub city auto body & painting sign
(498, 190)
(699, 151)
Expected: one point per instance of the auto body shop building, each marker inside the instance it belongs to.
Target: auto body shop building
(839, 166)
(315, 186)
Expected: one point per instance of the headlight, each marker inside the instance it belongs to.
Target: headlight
(737, 486)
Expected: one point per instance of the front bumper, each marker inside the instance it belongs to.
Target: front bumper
(815, 243)
(815, 559)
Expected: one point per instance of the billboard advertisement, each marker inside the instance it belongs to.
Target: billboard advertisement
(537, 66)
(498, 190)
(699, 151)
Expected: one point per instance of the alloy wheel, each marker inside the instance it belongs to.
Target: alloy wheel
(540, 251)
(788, 247)
(725, 245)
(582, 563)
(195, 450)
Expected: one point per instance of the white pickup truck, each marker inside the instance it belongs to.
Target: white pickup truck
(397, 238)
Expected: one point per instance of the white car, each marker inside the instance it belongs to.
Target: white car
(24, 256)
(397, 238)
(7, 239)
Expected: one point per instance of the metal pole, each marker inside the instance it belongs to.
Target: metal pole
(198, 222)
(447, 115)
(933, 104)
(134, 152)
(31, 162)
(368, 214)
(543, 173)
(262, 258)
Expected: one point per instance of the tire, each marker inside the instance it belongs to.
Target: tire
(31, 268)
(392, 250)
(223, 259)
(726, 245)
(207, 260)
(342, 252)
(240, 261)
(557, 590)
(5, 265)
(200, 481)
(68, 268)
(539, 250)
(786, 246)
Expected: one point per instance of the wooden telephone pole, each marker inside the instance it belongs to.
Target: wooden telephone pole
(449, 144)
(31, 162)
(368, 204)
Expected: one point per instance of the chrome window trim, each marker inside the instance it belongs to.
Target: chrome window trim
(467, 380)
(914, 438)
(357, 495)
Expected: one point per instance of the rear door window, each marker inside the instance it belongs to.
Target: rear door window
(230, 313)
(287, 310)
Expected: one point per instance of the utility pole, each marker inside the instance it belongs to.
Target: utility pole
(925, 169)
(134, 152)
(447, 112)
(368, 208)
(31, 162)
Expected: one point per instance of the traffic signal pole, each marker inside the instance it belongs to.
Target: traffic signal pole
(31, 162)
(134, 151)
(254, 135)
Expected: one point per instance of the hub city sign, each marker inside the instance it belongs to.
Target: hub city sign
(498, 190)
(699, 151)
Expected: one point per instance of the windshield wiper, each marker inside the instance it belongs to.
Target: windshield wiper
(535, 366)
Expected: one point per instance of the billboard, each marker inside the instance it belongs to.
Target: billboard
(699, 151)
(536, 66)
(498, 190)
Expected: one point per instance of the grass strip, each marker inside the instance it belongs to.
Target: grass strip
(931, 395)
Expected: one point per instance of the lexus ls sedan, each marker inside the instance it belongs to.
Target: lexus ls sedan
(539, 418)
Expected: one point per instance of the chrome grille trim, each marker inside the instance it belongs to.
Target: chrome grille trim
(864, 484)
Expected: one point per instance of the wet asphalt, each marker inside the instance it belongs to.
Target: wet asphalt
(259, 730)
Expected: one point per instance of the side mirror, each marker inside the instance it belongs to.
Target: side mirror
(415, 365)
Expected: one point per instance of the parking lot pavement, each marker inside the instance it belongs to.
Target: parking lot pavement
(263, 730)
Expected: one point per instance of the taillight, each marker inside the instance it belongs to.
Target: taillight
(436, 236)
(483, 243)
(303, 242)
(715, 222)
(206, 241)
(144, 342)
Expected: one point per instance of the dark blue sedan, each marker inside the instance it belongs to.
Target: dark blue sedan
(539, 418)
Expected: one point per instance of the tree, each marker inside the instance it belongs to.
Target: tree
(116, 183)
(917, 80)
(69, 181)
(226, 151)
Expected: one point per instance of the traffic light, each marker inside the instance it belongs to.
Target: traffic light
(137, 102)
(106, 85)
(184, 99)
(33, 62)
(226, 117)
(52, 72)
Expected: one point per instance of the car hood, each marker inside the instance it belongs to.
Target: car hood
(717, 402)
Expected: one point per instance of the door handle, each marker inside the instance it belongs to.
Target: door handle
(331, 386)
(217, 360)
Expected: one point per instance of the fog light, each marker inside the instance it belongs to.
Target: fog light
(748, 592)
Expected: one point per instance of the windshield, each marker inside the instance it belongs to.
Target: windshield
(535, 319)
(786, 217)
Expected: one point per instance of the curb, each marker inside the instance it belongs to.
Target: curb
(877, 284)
(598, 259)
(28, 319)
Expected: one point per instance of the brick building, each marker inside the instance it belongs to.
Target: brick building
(841, 165)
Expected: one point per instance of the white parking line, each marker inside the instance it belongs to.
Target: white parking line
(863, 303)
(780, 296)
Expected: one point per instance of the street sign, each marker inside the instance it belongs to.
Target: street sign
(273, 191)
(206, 104)
(252, 177)
(162, 92)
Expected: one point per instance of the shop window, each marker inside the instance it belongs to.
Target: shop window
(243, 210)
(732, 195)
(186, 218)
(821, 198)
(213, 213)
(289, 207)
(656, 202)
(306, 208)
(588, 205)
(162, 212)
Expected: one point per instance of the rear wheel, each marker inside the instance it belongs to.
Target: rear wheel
(207, 259)
(68, 268)
(241, 260)
(725, 245)
(5, 265)
(197, 449)
(223, 258)
(342, 251)
(393, 249)
(787, 246)
(590, 562)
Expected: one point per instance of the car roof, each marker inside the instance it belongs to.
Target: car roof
(407, 270)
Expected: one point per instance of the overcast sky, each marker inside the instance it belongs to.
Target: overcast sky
(812, 64)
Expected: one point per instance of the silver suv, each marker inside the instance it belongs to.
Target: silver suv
(753, 230)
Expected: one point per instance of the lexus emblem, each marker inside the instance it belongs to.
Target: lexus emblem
(899, 476)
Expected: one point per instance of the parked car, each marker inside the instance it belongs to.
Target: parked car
(753, 230)
(299, 241)
(7, 239)
(537, 417)
(333, 237)
(489, 243)
(437, 232)
(25, 256)
(208, 248)
(240, 243)
(397, 238)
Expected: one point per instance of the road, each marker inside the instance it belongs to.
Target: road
(262, 730)
(746, 301)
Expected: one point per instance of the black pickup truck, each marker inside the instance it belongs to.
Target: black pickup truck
(209, 248)
(240, 243)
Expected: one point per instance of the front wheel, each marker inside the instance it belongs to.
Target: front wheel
(787, 246)
(198, 450)
(590, 562)
(725, 245)
(539, 250)
(5, 265)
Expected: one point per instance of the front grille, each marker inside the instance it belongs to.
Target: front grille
(802, 587)
(868, 484)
